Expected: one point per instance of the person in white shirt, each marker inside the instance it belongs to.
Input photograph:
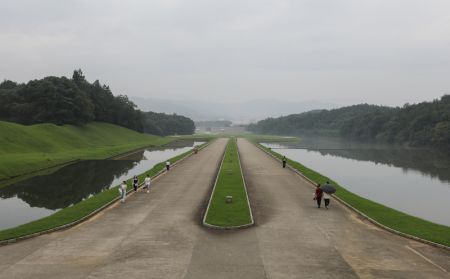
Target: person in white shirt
(147, 182)
(123, 191)
(326, 198)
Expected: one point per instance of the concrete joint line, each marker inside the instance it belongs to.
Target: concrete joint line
(425, 258)
(391, 230)
(212, 193)
(98, 210)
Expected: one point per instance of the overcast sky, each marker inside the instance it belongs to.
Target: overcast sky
(335, 51)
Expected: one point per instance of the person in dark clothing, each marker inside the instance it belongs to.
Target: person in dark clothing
(318, 195)
(284, 161)
(168, 165)
(135, 183)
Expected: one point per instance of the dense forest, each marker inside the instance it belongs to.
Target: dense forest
(76, 101)
(422, 124)
(164, 124)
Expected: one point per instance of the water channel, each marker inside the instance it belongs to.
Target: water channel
(43, 195)
(414, 181)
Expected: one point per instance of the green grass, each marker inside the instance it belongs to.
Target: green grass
(24, 149)
(387, 216)
(79, 210)
(229, 183)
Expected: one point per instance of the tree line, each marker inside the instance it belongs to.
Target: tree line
(62, 100)
(422, 124)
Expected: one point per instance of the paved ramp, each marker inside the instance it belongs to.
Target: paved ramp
(158, 235)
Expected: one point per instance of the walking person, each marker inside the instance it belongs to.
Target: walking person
(318, 195)
(123, 191)
(135, 183)
(326, 196)
(147, 182)
(284, 162)
(326, 199)
(168, 165)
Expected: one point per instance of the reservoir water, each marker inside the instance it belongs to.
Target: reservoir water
(414, 181)
(43, 195)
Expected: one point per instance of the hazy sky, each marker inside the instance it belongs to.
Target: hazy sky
(335, 51)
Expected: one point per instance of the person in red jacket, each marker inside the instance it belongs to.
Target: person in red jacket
(318, 195)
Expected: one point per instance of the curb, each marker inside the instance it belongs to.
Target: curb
(376, 223)
(246, 194)
(98, 210)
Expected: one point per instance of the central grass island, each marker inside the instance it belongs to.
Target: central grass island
(229, 207)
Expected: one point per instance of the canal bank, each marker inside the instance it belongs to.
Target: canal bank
(25, 149)
(391, 219)
(103, 196)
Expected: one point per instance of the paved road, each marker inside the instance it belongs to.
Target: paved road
(158, 235)
(150, 236)
(298, 240)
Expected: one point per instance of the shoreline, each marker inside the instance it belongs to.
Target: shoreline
(384, 217)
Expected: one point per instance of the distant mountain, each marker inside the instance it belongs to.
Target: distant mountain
(240, 112)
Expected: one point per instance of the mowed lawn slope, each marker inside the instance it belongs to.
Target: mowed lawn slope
(28, 148)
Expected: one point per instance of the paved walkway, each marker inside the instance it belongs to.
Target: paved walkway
(158, 235)
(298, 240)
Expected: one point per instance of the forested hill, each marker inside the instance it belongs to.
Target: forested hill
(167, 124)
(423, 124)
(316, 121)
(61, 100)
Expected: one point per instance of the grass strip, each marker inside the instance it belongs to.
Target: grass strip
(384, 215)
(230, 182)
(80, 210)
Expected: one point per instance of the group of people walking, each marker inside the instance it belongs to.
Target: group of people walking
(123, 186)
(147, 182)
(319, 194)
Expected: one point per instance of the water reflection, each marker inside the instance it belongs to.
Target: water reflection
(67, 186)
(410, 180)
(43, 195)
(431, 163)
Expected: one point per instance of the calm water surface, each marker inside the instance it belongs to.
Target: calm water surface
(416, 182)
(43, 195)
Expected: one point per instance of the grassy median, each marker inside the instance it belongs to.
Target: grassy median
(81, 209)
(230, 182)
(387, 216)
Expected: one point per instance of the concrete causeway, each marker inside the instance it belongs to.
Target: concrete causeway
(159, 235)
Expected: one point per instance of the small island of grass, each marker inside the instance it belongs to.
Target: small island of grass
(230, 182)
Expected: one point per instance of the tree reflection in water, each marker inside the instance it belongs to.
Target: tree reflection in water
(68, 185)
(432, 163)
